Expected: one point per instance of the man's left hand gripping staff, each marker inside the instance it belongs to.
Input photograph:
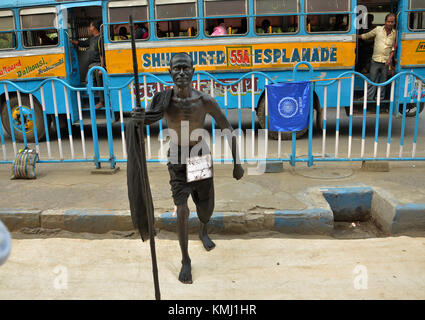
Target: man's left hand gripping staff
(138, 116)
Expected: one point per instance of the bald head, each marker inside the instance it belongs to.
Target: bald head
(181, 56)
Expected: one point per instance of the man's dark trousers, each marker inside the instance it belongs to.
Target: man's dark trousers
(378, 74)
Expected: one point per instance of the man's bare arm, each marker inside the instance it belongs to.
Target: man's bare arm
(153, 113)
(214, 110)
(369, 35)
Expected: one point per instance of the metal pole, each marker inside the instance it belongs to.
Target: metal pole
(142, 149)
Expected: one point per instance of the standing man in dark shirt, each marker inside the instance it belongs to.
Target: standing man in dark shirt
(95, 52)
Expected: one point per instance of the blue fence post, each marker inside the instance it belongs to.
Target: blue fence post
(93, 117)
(68, 121)
(58, 131)
(310, 126)
(294, 149)
(418, 105)
(21, 117)
(310, 129)
(378, 109)
(43, 106)
(108, 111)
(9, 113)
(403, 119)
(3, 144)
(34, 123)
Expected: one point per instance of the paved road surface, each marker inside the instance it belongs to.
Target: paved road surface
(256, 266)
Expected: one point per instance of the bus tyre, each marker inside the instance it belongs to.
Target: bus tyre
(28, 121)
(319, 119)
(319, 114)
(63, 124)
(261, 114)
(411, 109)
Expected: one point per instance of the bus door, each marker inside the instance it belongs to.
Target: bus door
(79, 16)
(376, 12)
(79, 19)
(73, 73)
(412, 51)
(375, 16)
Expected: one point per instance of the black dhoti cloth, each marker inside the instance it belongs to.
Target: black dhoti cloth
(202, 191)
(139, 192)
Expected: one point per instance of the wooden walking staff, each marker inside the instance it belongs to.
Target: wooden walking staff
(149, 212)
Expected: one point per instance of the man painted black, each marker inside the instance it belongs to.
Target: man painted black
(185, 110)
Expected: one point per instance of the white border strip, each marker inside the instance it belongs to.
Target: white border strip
(31, 52)
(229, 41)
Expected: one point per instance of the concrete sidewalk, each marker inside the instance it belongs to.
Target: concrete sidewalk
(300, 199)
(265, 265)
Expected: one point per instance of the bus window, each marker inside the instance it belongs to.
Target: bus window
(417, 19)
(417, 4)
(328, 23)
(335, 21)
(118, 14)
(314, 6)
(7, 26)
(216, 26)
(39, 27)
(178, 18)
(276, 24)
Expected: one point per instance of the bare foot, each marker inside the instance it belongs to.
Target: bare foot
(206, 241)
(99, 105)
(186, 273)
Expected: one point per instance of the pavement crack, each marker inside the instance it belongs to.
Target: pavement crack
(260, 208)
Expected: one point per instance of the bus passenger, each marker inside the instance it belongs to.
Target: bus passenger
(123, 33)
(244, 27)
(140, 32)
(7, 40)
(339, 24)
(266, 26)
(45, 40)
(313, 23)
(161, 26)
(95, 52)
(383, 53)
(220, 30)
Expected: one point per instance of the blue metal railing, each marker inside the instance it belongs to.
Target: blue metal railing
(292, 158)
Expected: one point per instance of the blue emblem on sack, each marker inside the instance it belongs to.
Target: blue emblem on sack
(288, 107)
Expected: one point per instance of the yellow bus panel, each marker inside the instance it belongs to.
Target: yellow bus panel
(25, 67)
(412, 52)
(234, 57)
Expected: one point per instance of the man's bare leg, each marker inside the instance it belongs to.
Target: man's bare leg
(206, 240)
(183, 232)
